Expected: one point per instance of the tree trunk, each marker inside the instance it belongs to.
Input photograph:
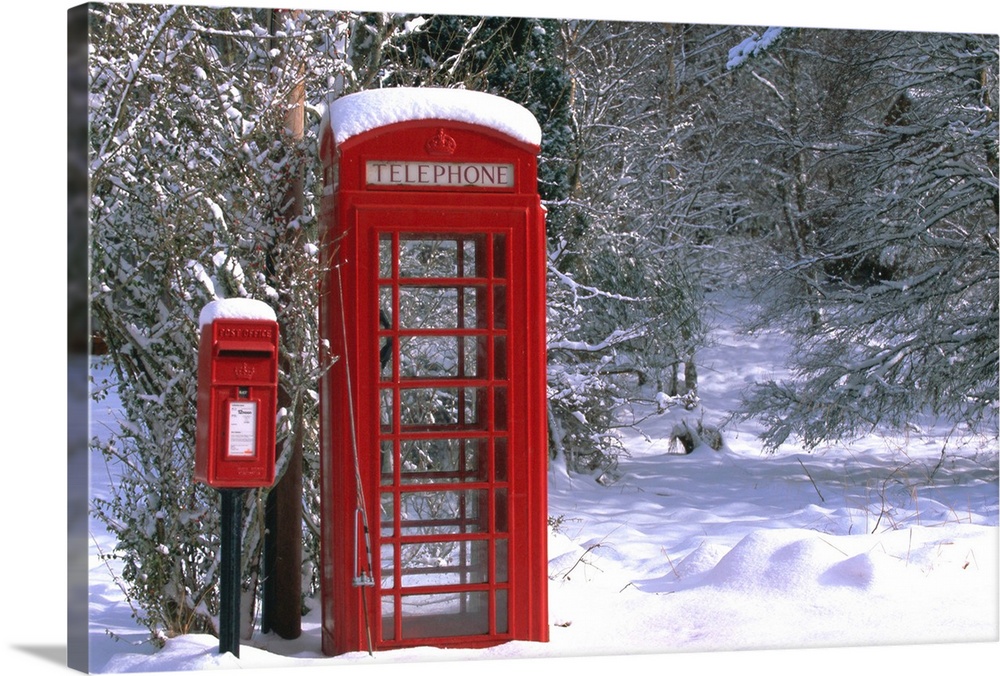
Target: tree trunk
(282, 607)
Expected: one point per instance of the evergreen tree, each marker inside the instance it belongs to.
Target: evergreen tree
(887, 273)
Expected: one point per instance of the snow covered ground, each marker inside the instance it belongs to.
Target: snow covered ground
(712, 558)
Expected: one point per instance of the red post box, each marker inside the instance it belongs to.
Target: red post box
(237, 394)
(433, 426)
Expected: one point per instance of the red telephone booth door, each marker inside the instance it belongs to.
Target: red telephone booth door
(445, 369)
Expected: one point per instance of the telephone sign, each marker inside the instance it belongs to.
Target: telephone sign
(439, 174)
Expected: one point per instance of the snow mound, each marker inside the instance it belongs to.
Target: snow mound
(701, 560)
(863, 571)
(781, 561)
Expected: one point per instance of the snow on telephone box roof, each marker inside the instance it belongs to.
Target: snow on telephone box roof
(235, 308)
(354, 114)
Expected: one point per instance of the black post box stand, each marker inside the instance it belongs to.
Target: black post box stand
(231, 570)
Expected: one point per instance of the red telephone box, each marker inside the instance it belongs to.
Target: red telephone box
(237, 394)
(433, 424)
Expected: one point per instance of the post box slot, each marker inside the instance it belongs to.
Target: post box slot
(234, 349)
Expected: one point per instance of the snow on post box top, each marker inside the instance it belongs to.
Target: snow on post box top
(357, 113)
(235, 308)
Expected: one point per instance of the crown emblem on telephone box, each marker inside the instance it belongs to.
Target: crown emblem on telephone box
(441, 144)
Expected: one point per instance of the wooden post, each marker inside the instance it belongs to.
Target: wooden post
(282, 602)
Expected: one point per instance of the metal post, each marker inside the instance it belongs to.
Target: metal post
(231, 571)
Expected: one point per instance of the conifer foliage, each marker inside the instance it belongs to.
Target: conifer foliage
(882, 258)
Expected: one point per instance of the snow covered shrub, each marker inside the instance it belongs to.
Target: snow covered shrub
(146, 303)
(166, 530)
(582, 420)
(692, 435)
(191, 168)
(620, 324)
(164, 523)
